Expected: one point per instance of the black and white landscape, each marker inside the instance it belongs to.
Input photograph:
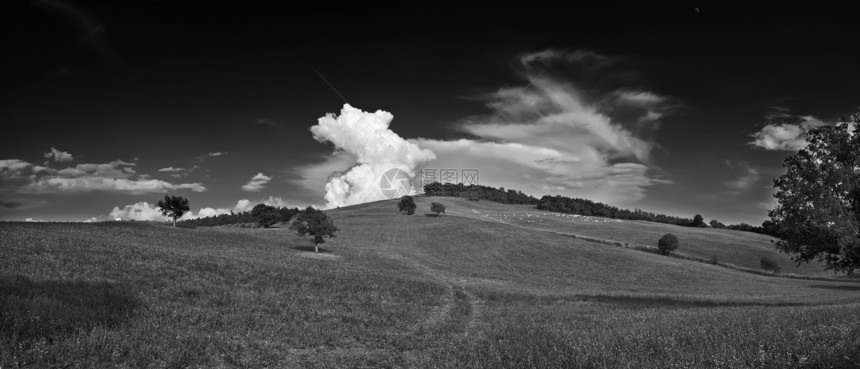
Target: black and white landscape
(191, 184)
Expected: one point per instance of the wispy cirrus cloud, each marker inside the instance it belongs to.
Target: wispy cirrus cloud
(211, 154)
(9, 204)
(267, 122)
(179, 172)
(748, 177)
(560, 134)
(257, 183)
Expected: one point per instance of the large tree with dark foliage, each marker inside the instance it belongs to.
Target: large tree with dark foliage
(173, 207)
(287, 214)
(698, 221)
(265, 215)
(819, 198)
(315, 223)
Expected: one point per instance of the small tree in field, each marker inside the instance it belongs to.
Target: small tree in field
(407, 204)
(437, 208)
(668, 243)
(315, 223)
(173, 207)
(265, 215)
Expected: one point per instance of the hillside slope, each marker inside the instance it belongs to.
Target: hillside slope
(392, 290)
(744, 249)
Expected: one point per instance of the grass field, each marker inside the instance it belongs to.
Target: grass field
(477, 287)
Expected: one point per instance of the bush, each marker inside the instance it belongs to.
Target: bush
(437, 208)
(769, 264)
(668, 243)
(407, 204)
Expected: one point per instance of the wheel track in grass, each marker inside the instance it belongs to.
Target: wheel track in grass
(460, 309)
(459, 313)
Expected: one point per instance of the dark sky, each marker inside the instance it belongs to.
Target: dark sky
(670, 109)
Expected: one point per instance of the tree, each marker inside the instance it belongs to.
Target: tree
(315, 223)
(698, 221)
(287, 214)
(818, 198)
(668, 243)
(265, 215)
(407, 204)
(173, 207)
(437, 208)
(716, 224)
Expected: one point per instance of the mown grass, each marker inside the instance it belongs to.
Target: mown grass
(555, 332)
(743, 249)
(397, 291)
(152, 296)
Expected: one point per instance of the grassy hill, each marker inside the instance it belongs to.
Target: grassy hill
(472, 288)
(739, 248)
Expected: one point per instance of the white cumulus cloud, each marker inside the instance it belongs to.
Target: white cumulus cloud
(13, 168)
(144, 211)
(59, 156)
(367, 139)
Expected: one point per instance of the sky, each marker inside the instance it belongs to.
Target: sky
(106, 107)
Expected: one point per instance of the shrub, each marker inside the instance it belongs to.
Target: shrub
(437, 208)
(769, 264)
(407, 204)
(668, 243)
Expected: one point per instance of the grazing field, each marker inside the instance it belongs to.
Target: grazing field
(476, 287)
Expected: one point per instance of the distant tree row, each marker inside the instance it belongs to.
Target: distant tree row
(262, 215)
(768, 227)
(563, 204)
(479, 192)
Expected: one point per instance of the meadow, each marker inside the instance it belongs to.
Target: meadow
(475, 287)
